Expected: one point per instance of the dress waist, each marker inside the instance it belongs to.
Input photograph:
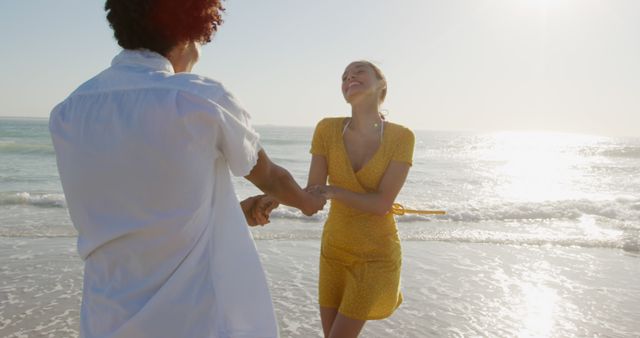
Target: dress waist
(361, 234)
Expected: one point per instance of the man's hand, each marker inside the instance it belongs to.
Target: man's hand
(313, 203)
(263, 207)
(258, 208)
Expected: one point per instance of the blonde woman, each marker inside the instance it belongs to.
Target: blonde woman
(366, 161)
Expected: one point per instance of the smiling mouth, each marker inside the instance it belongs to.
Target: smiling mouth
(353, 84)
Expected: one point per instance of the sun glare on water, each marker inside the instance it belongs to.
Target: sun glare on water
(539, 305)
(537, 166)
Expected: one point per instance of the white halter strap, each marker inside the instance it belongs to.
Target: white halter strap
(346, 125)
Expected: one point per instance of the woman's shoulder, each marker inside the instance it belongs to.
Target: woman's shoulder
(328, 123)
(398, 129)
(332, 120)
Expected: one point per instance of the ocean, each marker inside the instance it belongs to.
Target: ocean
(541, 237)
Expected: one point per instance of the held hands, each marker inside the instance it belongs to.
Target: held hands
(325, 191)
(314, 203)
(318, 196)
(258, 208)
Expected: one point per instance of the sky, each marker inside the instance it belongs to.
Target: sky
(478, 65)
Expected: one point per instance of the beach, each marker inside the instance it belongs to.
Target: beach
(520, 292)
(541, 238)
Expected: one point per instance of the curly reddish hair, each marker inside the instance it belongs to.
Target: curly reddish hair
(160, 25)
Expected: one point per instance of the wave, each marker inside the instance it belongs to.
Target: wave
(623, 209)
(499, 238)
(626, 237)
(632, 152)
(626, 209)
(628, 241)
(626, 152)
(32, 234)
(284, 212)
(26, 148)
(45, 200)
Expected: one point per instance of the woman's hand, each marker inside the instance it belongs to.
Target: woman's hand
(258, 208)
(378, 202)
(325, 191)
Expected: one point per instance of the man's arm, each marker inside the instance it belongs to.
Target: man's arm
(278, 182)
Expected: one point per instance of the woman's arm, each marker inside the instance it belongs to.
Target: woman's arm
(378, 202)
(317, 171)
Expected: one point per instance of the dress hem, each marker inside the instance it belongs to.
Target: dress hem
(386, 315)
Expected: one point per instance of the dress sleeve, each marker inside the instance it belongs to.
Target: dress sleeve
(238, 141)
(404, 148)
(319, 142)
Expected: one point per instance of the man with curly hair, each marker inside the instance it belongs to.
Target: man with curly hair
(145, 152)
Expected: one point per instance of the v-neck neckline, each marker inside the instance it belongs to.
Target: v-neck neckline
(346, 153)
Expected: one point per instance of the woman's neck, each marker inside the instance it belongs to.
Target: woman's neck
(365, 116)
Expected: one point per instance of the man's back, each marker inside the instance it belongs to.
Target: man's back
(144, 158)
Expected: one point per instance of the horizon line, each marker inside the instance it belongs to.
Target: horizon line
(469, 131)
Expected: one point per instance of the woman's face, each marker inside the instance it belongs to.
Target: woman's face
(359, 80)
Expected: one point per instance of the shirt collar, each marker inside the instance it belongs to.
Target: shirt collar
(143, 57)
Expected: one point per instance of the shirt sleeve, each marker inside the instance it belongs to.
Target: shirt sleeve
(404, 148)
(238, 141)
(318, 143)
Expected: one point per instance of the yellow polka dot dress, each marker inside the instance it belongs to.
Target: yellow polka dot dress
(360, 256)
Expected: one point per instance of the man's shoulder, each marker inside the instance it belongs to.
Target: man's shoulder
(209, 92)
(198, 85)
(196, 88)
(112, 79)
(93, 84)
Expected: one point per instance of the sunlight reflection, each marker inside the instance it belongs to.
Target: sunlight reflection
(538, 166)
(539, 307)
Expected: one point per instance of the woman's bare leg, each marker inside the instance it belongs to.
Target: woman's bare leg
(344, 327)
(327, 316)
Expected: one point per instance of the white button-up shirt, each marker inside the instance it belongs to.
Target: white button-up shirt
(145, 157)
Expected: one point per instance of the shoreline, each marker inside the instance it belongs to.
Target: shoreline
(450, 290)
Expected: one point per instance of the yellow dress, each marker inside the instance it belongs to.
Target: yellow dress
(360, 256)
